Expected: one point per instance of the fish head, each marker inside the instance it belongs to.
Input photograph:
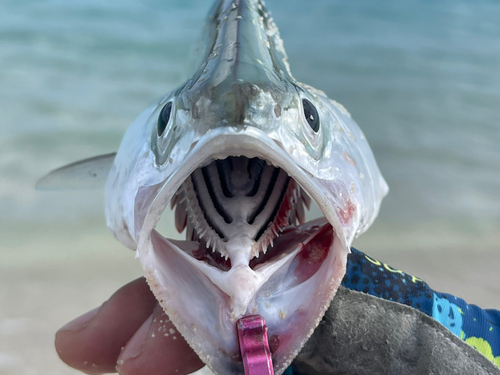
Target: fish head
(238, 151)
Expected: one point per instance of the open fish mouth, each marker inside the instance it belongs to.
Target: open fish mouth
(236, 195)
(248, 251)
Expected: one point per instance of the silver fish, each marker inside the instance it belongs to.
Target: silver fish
(238, 151)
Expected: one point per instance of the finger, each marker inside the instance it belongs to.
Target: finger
(92, 342)
(158, 348)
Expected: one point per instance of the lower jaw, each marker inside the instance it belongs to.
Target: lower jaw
(292, 300)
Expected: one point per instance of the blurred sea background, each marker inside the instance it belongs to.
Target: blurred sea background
(421, 78)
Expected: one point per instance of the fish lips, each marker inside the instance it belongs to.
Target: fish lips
(291, 291)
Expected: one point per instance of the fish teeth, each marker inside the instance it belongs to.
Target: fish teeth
(273, 230)
(263, 247)
(257, 250)
(198, 228)
(277, 226)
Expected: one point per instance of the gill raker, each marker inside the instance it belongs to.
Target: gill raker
(238, 151)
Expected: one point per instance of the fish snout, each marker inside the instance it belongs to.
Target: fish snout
(241, 103)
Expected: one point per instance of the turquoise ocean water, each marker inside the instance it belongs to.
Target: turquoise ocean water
(421, 78)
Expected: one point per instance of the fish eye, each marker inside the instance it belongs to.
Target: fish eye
(311, 115)
(164, 118)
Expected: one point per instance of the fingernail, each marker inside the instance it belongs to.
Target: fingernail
(81, 322)
(136, 345)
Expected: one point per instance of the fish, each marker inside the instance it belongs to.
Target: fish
(239, 152)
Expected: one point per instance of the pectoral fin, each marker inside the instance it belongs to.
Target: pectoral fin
(84, 174)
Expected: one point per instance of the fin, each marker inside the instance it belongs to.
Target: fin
(84, 174)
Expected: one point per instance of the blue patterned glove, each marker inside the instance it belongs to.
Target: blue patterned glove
(477, 327)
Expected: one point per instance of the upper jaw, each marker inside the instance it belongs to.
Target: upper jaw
(220, 143)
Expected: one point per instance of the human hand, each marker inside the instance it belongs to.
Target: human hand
(130, 334)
